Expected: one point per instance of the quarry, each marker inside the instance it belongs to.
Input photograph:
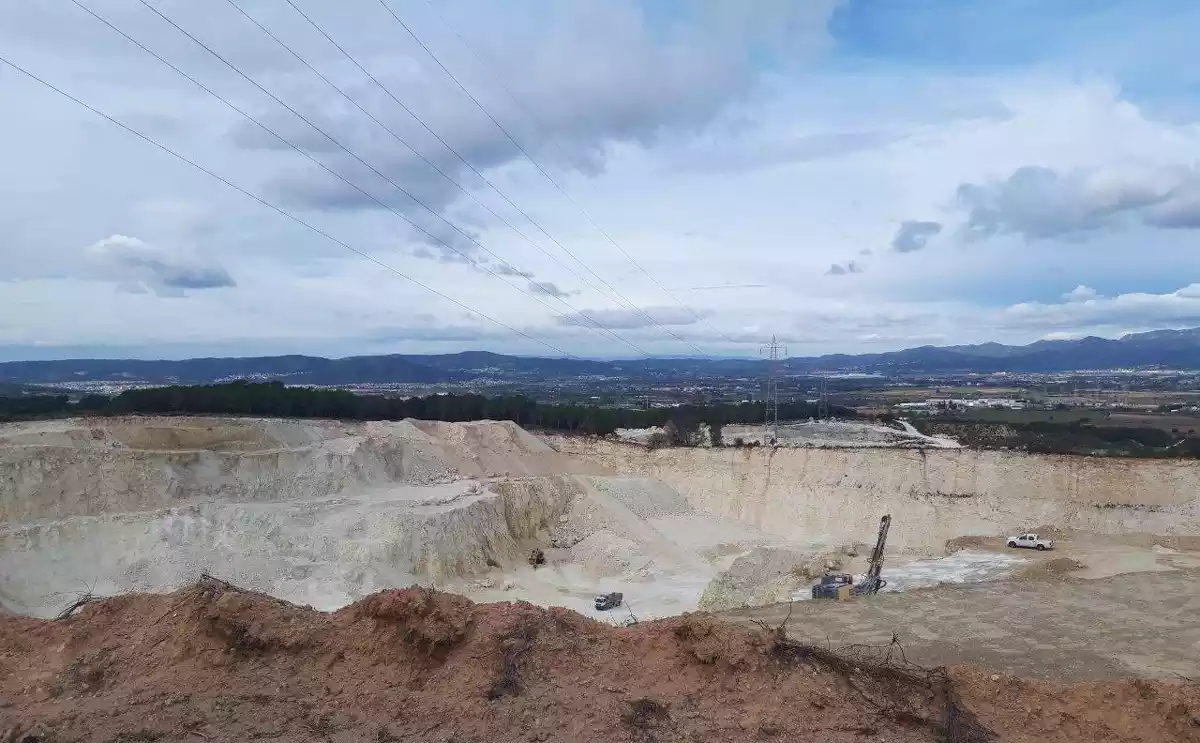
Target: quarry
(324, 513)
(326, 516)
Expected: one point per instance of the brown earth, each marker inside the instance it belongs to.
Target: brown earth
(214, 663)
(1053, 568)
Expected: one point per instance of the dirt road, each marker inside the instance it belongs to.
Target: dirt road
(1138, 625)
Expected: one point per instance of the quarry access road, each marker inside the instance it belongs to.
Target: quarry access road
(1143, 625)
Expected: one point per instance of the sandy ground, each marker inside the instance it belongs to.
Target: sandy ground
(1092, 555)
(1126, 626)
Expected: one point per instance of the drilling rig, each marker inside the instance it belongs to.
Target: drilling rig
(842, 586)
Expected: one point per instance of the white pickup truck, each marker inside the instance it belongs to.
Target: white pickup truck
(1031, 541)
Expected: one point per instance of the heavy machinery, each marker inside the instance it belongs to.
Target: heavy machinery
(841, 586)
(606, 601)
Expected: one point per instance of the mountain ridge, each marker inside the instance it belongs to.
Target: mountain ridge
(1165, 348)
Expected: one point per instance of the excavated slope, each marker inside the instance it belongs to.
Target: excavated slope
(834, 495)
(319, 512)
(85, 467)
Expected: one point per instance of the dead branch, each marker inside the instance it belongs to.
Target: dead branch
(209, 578)
(515, 646)
(884, 679)
(83, 598)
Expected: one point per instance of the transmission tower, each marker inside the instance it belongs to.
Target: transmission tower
(772, 351)
(823, 400)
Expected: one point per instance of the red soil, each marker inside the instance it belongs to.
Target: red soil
(213, 663)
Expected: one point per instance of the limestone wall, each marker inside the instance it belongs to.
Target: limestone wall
(59, 469)
(829, 495)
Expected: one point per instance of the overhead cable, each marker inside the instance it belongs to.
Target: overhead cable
(428, 162)
(387, 91)
(603, 233)
(329, 170)
(281, 211)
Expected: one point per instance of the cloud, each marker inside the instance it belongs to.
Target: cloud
(628, 319)
(1181, 210)
(1042, 203)
(548, 289)
(506, 270)
(773, 150)
(913, 235)
(821, 161)
(138, 266)
(577, 69)
(435, 333)
(1081, 293)
(1062, 335)
(909, 340)
(842, 269)
(1136, 310)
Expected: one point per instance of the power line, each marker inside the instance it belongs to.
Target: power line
(771, 411)
(281, 211)
(329, 170)
(428, 162)
(540, 169)
(317, 27)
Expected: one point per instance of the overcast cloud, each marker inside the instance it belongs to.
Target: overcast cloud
(1042, 182)
(137, 266)
(913, 235)
(1038, 202)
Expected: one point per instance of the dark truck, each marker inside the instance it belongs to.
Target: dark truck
(606, 601)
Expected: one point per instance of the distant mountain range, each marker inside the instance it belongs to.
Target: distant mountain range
(1175, 349)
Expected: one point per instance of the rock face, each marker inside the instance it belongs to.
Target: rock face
(82, 467)
(325, 552)
(316, 511)
(765, 575)
(323, 513)
(829, 496)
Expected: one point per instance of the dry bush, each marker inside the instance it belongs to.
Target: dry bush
(515, 646)
(657, 440)
(888, 685)
(644, 716)
(82, 599)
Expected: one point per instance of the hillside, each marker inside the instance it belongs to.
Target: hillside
(1174, 349)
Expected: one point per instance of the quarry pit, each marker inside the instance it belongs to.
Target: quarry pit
(324, 514)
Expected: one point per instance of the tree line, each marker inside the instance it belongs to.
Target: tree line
(274, 399)
(1070, 437)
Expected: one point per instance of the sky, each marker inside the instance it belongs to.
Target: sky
(594, 178)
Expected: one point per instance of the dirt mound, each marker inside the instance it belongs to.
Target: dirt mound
(1058, 567)
(766, 575)
(970, 542)
(216, 663)
(427, 620)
